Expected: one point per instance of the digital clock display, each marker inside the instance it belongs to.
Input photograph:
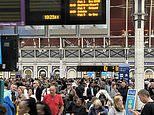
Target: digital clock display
(44, 12)
(51, 17)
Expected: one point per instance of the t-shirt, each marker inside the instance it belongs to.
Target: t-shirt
(148, 109)
(54, 102)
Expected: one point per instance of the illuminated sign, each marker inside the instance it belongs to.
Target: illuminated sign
(65, 12)
(10, 12)
(124, 72)
(52, 12)
(88, 74)
(51, 17)
(105, 75)
(104, 68)
(44, 12)
(87, 11)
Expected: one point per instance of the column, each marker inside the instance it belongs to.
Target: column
(61, 59)
(139, 15)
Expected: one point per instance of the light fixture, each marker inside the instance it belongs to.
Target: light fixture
(149, 50)
(22, 42)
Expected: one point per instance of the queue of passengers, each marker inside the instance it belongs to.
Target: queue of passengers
(44, 96)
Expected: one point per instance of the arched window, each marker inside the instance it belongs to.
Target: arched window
(28, 73)
(71, 74)
(131, 73)
(149, 73)
(43, 73)
(56, 73)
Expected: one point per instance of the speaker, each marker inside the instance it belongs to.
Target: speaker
(9, 50)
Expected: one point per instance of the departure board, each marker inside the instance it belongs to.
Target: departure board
(44, 12)
(10, 11)
(87, 11)
(65, 12)
(104, 68)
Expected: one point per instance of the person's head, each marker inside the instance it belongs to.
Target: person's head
(118, 103)
(78, 102)
(69, 85)
(35, 83)
(91, 84)
(14, 87)
(27, 106)
(97, 103)
(20, 90)
(114, 86)
(93, 99)
(52, 90)
(6, 85)
(30, 91)
(144, 95)
(43, 109)
(123, 84)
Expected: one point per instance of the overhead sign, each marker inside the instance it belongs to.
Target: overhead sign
(124, 72)
(11, 12)
(52, 12)
(104, 68)
(65, 12)
(86, 12)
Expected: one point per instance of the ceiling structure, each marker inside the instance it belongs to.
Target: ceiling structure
(112, 35)
(97, 44)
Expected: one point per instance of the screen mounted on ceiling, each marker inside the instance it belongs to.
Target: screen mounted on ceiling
(65, 12)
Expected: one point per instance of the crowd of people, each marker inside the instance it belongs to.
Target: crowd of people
(43, 96)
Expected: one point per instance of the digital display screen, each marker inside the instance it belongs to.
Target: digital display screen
(131, 92)
(65, 12)
(104, 68)
(111, 68)
(44, 12)
(88, 74)
(87, 11)
(104, 75)
(91, 74)
(123, 69)
(10, 12)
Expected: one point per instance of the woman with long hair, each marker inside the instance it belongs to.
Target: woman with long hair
(98, 108)
(118, 108)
